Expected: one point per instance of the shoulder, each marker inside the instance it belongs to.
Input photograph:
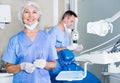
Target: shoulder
(54, 29)
(42, 33)
(45, 36)
(15, 37)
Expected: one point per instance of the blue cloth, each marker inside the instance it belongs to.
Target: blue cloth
(21, 49)
(61, 39)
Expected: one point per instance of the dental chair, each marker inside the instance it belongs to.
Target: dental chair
(67, 63)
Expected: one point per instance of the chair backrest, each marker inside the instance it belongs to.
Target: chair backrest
(66, 59)
(66, 56)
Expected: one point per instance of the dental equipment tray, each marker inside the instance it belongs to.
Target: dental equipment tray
(70, 75)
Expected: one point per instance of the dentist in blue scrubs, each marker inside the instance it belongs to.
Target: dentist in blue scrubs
(30, 53)
(61, 41)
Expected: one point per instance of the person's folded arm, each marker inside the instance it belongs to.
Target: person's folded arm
(51, 64)
(24, 66)
(59, 49)
(11, 68)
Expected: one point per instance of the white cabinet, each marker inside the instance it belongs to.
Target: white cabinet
(114, 78)
(6, 78)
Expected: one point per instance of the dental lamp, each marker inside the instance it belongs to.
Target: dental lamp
(102, 27)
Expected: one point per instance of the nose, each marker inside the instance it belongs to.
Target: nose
(30, 14)
(71, 24)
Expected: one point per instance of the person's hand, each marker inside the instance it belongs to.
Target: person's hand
(40, 63)
(28, 67)
(79, 48)
(75, 47)
(72, 46)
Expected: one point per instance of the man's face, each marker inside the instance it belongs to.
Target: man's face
(70, 21)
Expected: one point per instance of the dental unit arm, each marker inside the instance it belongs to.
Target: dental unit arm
(114, 17)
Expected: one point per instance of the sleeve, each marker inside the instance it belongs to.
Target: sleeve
(52, 51)
(57, 37)
(9, 54)
(52, 34)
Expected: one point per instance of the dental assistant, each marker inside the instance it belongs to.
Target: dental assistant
(30, 53)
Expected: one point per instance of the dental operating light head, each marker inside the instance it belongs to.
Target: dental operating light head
(102, 27)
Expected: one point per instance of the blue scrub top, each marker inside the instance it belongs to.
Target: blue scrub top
(60, 39)
(21, 49)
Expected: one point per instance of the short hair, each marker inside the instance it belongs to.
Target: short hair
(69, 13)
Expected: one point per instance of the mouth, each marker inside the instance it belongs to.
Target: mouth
(30, 20)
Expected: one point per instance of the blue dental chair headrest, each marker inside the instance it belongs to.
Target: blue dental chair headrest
(66, 56)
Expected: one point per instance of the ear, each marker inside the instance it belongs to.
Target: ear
(65, 19)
